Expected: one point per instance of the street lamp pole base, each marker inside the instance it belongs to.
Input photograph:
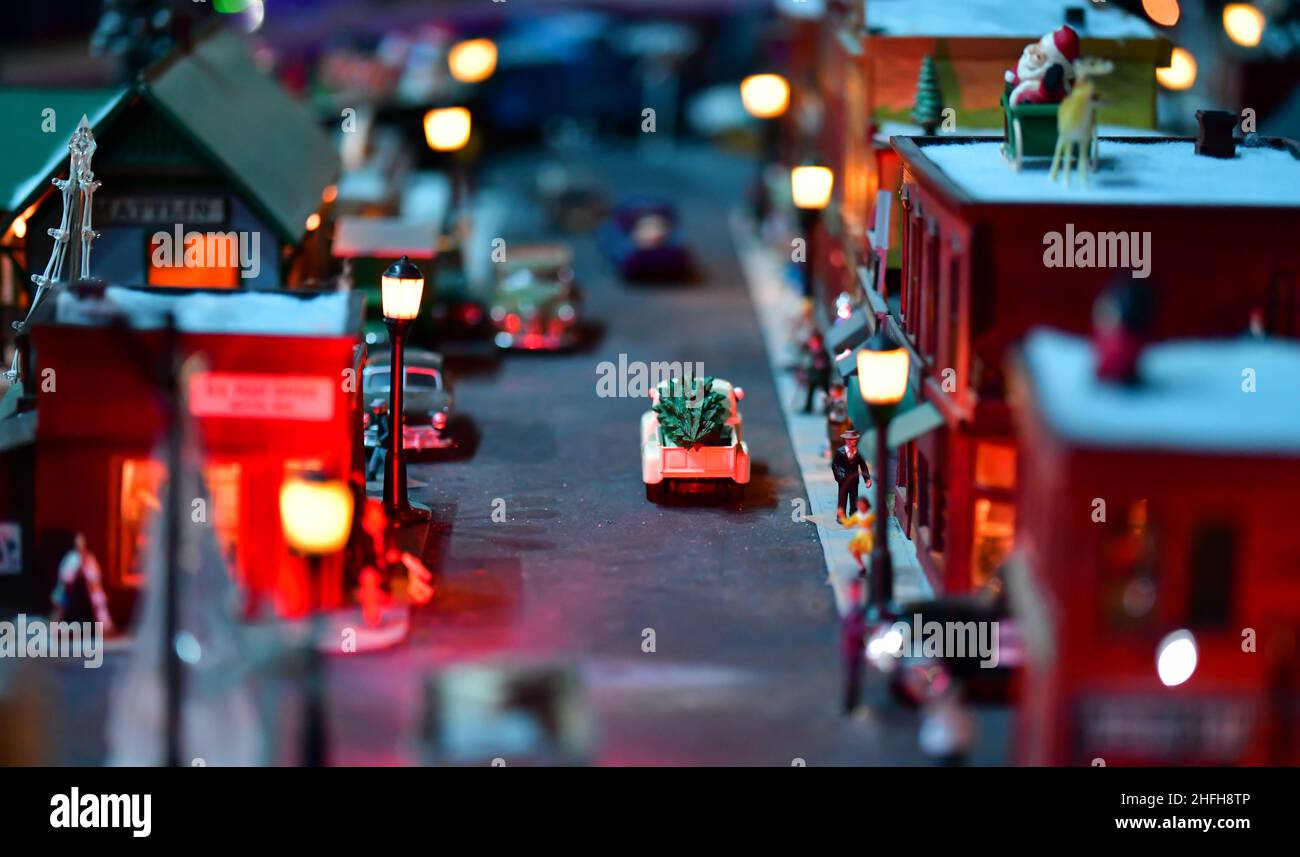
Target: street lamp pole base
(409, 514)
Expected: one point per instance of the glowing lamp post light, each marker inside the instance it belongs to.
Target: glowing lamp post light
(446, 129)
(810, 188)
(473, 60)
(765, 96)
(1244, 24)
(882, 379)
(402, 288)
(316, 518)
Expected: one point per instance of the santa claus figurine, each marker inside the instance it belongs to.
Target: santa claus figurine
(1046, 69)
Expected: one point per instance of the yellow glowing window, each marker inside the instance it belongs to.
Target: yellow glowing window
(995, 465)
(142, 484)
(208, 260)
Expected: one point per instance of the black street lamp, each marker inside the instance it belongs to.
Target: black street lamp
(882, 380)
(402, 289)
(766, 97)
(810, 188)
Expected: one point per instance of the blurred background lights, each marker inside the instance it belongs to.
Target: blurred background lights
(1181, 73)
(1243, 23)
(1176, 658)
(1163, 12)
(472, 61)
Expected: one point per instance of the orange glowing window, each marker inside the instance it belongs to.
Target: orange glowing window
(142, 484)
(208, 260)
(995, 465)
(995, 527)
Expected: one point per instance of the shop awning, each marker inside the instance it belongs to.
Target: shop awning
(908, 424)
(850, 332)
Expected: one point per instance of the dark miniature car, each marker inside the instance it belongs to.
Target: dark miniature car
(644, 240)
(427, 401)
(536, 304)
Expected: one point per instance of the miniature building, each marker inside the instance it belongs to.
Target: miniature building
(273, 394)
(1151, 511)
(203, 146)
(868, 72)
(1216, 237)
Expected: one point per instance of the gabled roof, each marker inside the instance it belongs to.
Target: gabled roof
(252, 132)
(255, 133)
(32, 156)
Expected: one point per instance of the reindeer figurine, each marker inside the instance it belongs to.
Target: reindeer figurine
(1076, 118)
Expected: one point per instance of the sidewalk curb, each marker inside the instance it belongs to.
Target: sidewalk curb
(775, 304)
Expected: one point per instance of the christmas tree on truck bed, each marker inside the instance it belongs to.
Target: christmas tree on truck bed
(691, 413)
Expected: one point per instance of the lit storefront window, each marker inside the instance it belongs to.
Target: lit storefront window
(1128, 569)
(142, 484)
(995, 466)
(995, 527)
(208, 260)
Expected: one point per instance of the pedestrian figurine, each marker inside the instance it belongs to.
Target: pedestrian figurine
(379, 414)
(864, 522)
(853, 640)
(837, 417)
(848, 465)
(817, 368)
(80, 562)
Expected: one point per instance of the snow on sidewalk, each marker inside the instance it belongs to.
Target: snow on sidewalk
(776, 305)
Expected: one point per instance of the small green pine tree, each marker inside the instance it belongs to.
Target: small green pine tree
(692, 413)
(928, 107)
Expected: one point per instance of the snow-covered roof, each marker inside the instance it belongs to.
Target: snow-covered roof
(1157, 173)
(247, 312)
(893, 128)
(1193, 396)
(998, 18)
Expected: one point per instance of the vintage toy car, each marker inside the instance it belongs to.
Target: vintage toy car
(426, 404)
(370, 244)
(644, 240)
(536, 304)
(721, 467)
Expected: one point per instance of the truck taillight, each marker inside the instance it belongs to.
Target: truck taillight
(440, 420)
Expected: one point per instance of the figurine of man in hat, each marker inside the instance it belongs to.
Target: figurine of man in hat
(847, 464)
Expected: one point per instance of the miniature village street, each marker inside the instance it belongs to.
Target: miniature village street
(781, 383)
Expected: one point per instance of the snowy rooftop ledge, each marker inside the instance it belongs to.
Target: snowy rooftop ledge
(246, 312)
(1157, 173)
(1192, 398)
(998, 18)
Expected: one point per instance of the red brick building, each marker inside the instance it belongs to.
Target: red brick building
(1216, 238)
(1157, 570)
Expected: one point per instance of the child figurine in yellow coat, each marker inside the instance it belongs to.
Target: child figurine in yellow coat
(864, 539)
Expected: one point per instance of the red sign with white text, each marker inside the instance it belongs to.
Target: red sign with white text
(262, 397)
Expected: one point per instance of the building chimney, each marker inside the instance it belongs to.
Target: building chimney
(1214, 136)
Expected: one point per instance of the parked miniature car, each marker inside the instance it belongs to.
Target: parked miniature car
(719, 464)
(426, 404)
(536, 304)
(644, 240)
(572, 196)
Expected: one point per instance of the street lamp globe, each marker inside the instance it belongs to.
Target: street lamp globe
(765, 96)
(315, 514)
(446, 129)
(882, 370)
(810, 186)
(473, 60)
(402, 286)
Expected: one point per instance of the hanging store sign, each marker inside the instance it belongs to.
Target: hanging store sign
(191, 211)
